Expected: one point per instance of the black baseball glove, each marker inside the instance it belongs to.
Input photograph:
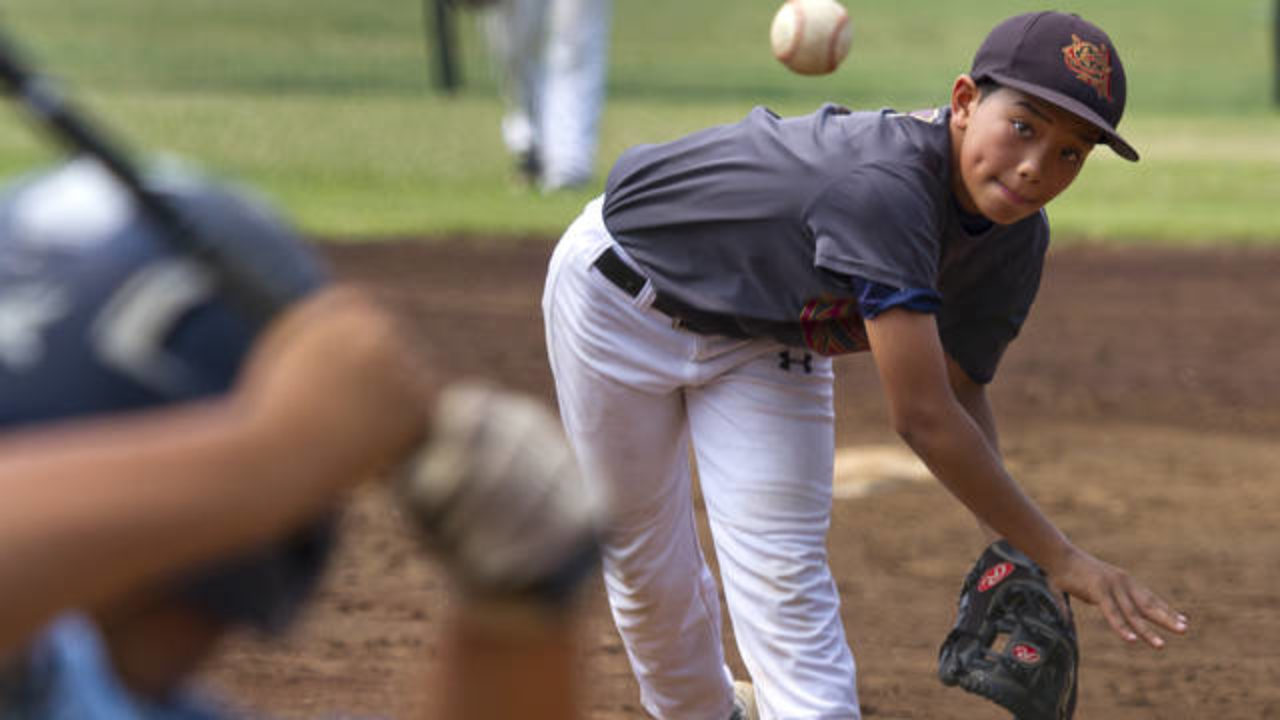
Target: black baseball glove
(1012, 643)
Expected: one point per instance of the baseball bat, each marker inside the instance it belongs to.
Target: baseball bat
(73, 129)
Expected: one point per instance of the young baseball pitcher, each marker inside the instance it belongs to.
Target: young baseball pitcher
(698, 301)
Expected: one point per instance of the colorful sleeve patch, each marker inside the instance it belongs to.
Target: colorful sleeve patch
(834, 326)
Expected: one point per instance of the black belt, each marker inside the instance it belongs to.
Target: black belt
(617, 271)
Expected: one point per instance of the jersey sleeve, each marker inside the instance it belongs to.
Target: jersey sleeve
(977, 324)
(977, 345)
(875, 298)
(880, 222)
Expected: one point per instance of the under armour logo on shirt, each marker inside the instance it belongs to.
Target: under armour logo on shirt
(785, 361)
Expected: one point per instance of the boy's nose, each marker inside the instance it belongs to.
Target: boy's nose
(1029, 167)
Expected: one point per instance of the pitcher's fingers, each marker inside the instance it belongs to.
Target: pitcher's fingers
(1160, 612)
(1135, 618)
(1114, 617)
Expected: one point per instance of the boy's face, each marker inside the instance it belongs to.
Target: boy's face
(1012, 152)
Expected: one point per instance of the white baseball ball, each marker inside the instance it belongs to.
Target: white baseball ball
(811, 36)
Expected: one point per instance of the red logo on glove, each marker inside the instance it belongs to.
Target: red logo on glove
(992, 577)
(1025, 654)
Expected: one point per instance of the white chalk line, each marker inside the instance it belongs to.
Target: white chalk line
(862, 470)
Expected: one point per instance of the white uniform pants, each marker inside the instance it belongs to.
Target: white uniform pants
(554, 56)
(634, 394)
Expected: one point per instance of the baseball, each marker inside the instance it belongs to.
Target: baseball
(811, 36)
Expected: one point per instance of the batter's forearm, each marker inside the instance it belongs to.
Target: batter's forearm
(524, 649)
(94, 509)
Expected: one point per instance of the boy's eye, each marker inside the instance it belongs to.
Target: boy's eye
(1072, 155)
(1022, 128)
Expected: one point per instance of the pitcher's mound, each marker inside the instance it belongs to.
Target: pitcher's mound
(864, 469)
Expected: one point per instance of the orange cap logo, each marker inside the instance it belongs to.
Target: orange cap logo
(1091, 64)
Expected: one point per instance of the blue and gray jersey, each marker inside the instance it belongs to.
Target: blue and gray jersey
(797, 228)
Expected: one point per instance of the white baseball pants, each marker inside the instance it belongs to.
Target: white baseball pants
(635, 394)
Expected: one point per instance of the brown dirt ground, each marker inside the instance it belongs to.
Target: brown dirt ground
(1140, 408)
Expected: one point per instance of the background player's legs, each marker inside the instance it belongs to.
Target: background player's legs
(764, 438)
(576, 66)
(617, 378)
(515, 31)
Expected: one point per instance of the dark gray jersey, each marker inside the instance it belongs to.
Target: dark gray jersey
(767, 220)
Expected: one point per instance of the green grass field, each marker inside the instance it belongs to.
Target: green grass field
(328, 106)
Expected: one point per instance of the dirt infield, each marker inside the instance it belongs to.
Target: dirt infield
(1140, 408)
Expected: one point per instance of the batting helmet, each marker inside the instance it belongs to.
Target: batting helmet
(100, 314)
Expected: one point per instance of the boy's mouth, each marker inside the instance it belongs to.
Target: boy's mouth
(1012, 196)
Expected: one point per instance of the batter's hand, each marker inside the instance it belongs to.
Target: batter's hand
(335, 367)
(498, 497)
(1131, 608)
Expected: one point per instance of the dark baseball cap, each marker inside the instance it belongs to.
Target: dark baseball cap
(1062, 59)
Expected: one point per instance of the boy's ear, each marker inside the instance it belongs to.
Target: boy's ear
(964, 100)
